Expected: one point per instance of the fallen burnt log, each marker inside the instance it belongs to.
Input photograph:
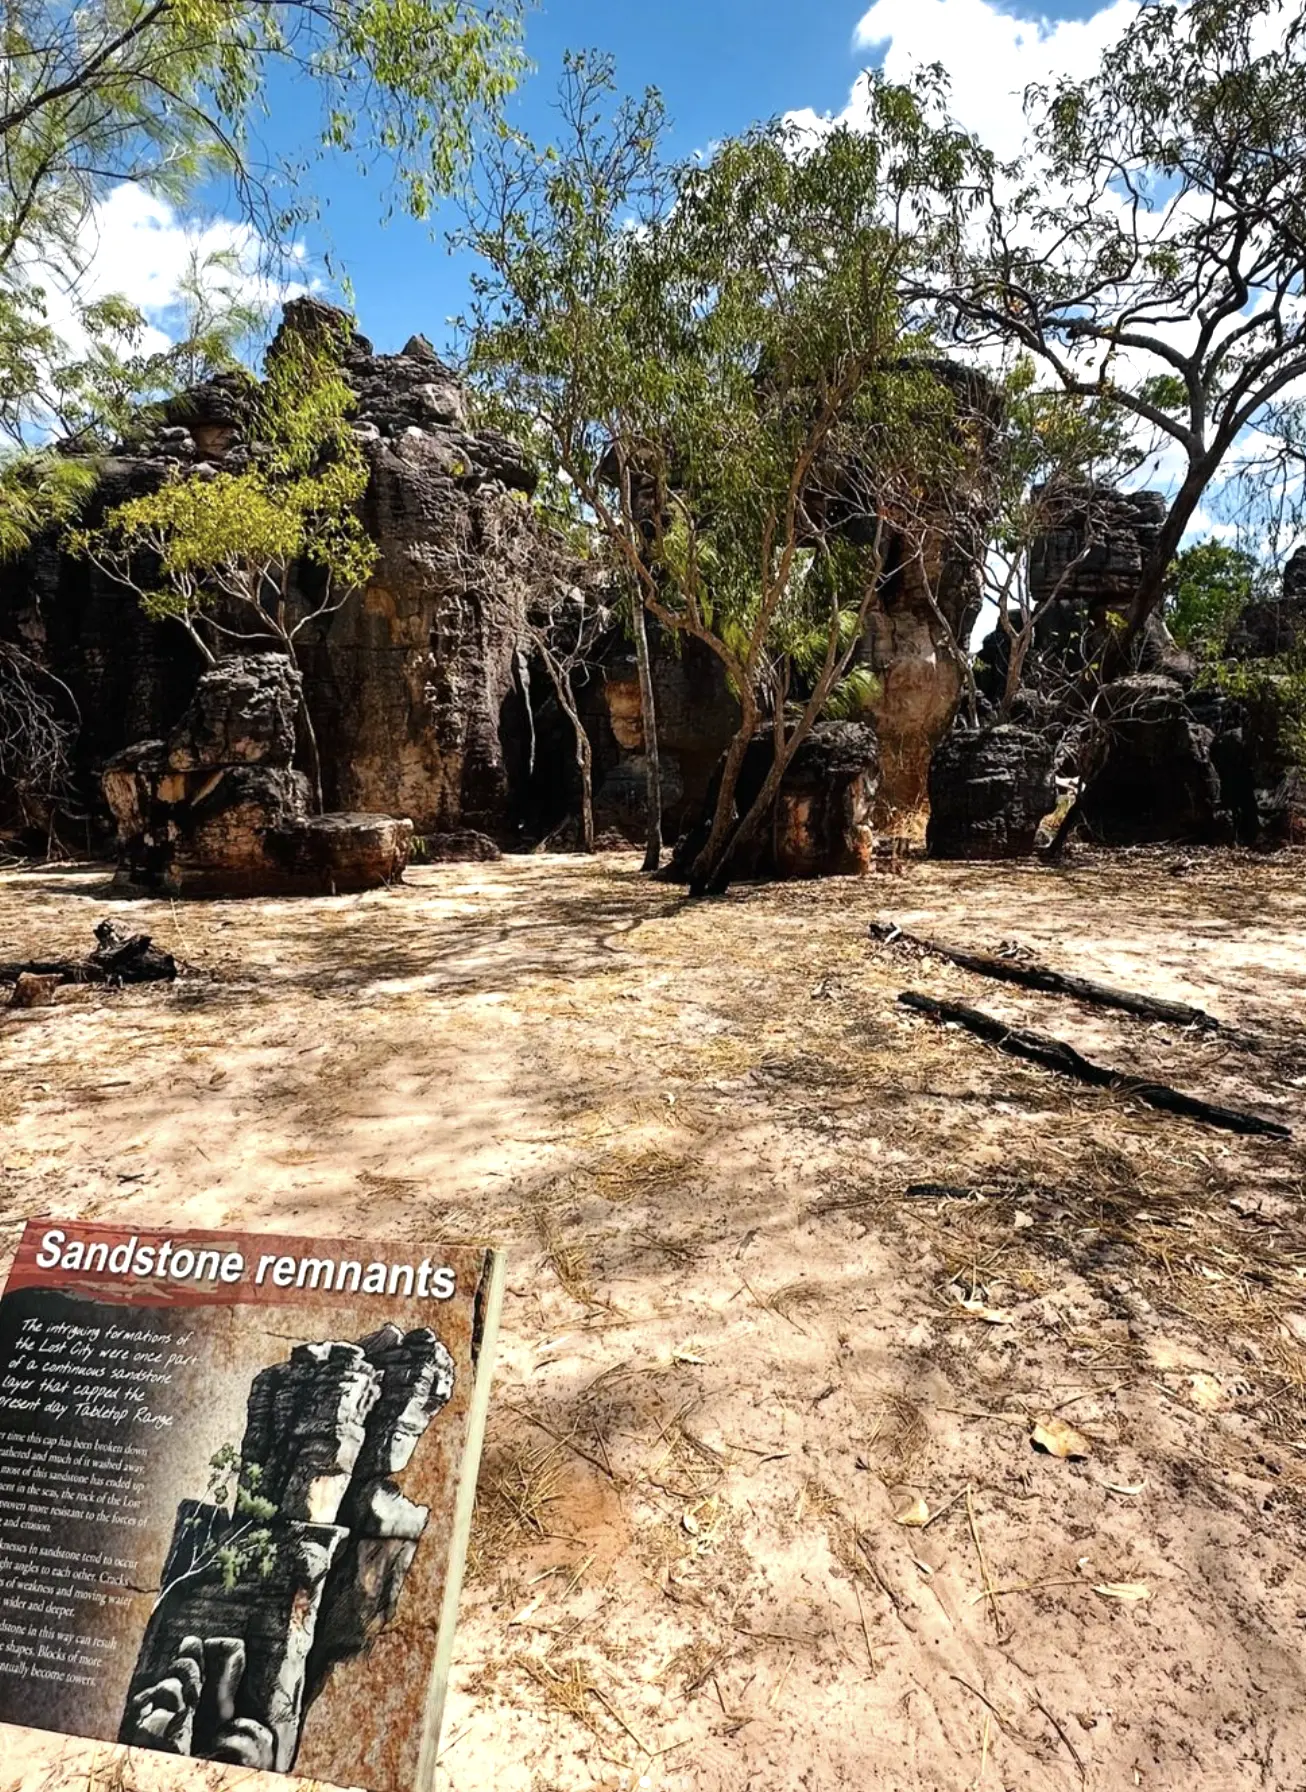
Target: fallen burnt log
(1055, 1054)
(1062, 983)
(118, 958)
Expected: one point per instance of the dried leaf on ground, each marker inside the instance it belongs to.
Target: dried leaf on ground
(991, 1315)
(916, 1514)
(1127, 1590)
(1055, 1438)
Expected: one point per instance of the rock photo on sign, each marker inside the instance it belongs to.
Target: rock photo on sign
(236, 1477)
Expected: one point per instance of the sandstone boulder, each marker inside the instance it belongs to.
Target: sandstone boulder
(460, 846)
(820, 824)
(989, 790)
(218, 808)
(1151, 774)
(337, 853)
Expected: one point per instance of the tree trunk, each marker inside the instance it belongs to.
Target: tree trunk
(584, 753)
(310, 733)
(648, 713)
(1150, 589)
(1017, 649)
(716, 881)
(705, 864)
(314, 756)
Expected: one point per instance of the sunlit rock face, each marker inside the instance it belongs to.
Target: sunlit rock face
(218, 809)
(928, 602)
(413, 683)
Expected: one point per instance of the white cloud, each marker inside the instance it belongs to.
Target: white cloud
(138, 247)
(990, 56)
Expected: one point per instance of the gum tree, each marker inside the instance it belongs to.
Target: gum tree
(715, 357)
(1150, 251)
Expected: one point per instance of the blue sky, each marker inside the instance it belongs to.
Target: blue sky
(720, 64)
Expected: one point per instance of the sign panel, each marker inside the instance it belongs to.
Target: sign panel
(236, 1482)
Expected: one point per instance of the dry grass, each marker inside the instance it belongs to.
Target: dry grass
(514, 1494)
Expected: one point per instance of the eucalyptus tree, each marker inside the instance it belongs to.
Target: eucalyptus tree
(1150, 250)
(714, 355)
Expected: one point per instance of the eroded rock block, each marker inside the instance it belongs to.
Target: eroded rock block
(458, 846)
(820, 824)
(1152, 774)
(242, 713)
(218, 808)
(989, 790)
(336, 854)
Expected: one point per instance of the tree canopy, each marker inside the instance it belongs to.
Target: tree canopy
(714, 355)
(1150, 250)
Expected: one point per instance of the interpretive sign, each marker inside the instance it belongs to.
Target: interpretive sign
(236, 1482)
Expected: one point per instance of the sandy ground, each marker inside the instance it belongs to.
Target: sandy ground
(735, 1351)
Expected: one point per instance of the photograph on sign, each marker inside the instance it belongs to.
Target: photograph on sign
(236, 1480)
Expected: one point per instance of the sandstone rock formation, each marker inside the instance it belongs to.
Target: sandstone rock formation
(421, 688)
(930, 601)
(930, 596)
(1266, 629)
(696, 715)
(820, 824)
(217, 808)
(989, 790)
(919, 679)
(412, 684)
(1095, 549)
(1152, 775)
(230, 1661)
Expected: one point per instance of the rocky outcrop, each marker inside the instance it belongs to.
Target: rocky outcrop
(930, 588)
(820, 822)
(412, 684)
(1159, 762)
(1090, 557)
(696, 715)
(242, 1640)
(217, 808)
(1267, 628)
(421, 688)
(1152, 775)
(929, 603)
(990, 788)
(918, 677)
